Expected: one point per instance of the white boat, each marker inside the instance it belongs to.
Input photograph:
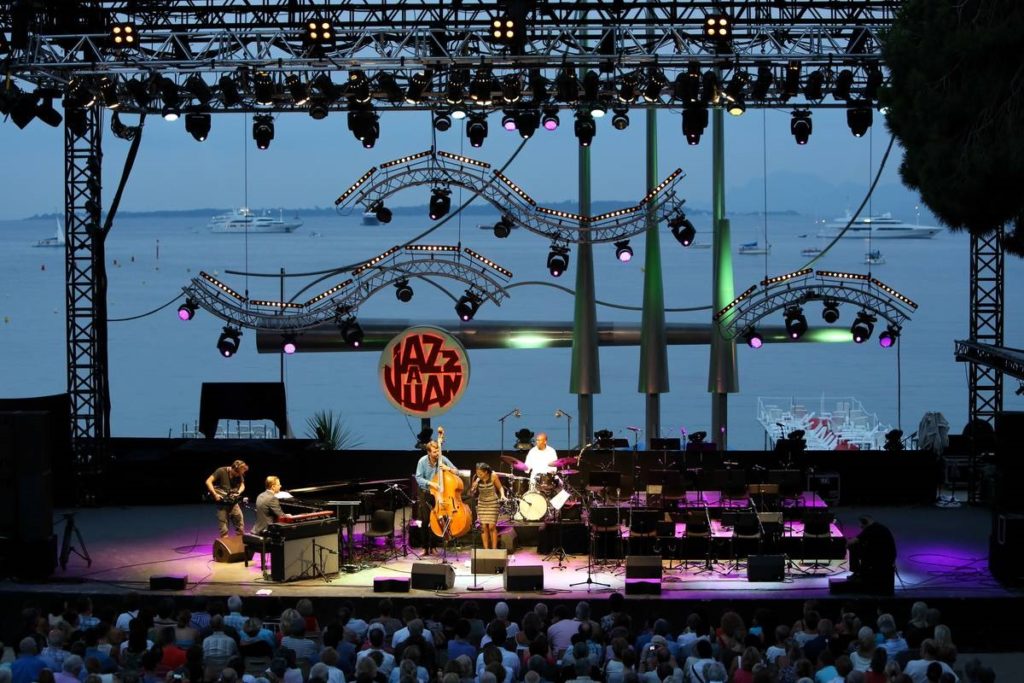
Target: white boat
(883, 226)
(245, 220)
(55, 241)
(874, 257)
(370, 218)
(754, 248)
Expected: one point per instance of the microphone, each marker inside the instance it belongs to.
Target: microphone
(634, 429)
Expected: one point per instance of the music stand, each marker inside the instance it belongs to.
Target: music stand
(604, 480)
(643, 523)
(671, 444)
(599, 517)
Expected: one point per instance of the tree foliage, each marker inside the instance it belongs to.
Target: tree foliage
(330, 431)
(955, 104)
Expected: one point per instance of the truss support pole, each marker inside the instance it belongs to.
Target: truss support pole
(85, 277)
(723, 372)
(653, 348)
(985, 384)
(585, 380)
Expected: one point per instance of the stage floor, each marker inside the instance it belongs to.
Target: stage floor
(942, 553)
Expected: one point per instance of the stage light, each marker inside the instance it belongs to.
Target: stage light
(695, 120)
(791, 82)
(623, 252)
(108, 92)
(656, 83)
(46, 112)
(171, 99)
(551, 120)
(718, 28)
(508, 121)
(229, 93)
(187, 310)
(800, 126)
(197, 124)
(862, 327)
(859, 118)
(419, 84)
(442, 121)
(124, 35)
(357, 88)
(288, 345)
(318, 109)
(79, 94)
(263, 87)
(627, 87)
(558, 260)
(440, 202)
(512, 88)
(796, 322)
(476, 129)
(814, 87)
(351, 332)
(754, 339)
(830, 312)
(682, 229)
(620, 118)
(527, 122)
(381, 212)
(139, 92)
(567, 88)
(365, 126)
(524, 439)
(584, 128)
(467, 305)
(455, 92)
(389, 86)
(262, 130)
(505, 30)
(503, 228)
(198, 88)
(229, 341)
(736, 103)
(297, 89)
(873, 83)
(887, 339)
(76, 121)
(709, 88)
(403, 292)
(481, 88)
(844, 81)
(319, 33)
(538, 88)
(697, 437)
(762, 84)
(686, 87)
(458, 112)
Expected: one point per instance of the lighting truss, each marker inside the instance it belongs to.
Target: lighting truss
(797, 288)
(443, 168)
(1005, 360)
(467, 266)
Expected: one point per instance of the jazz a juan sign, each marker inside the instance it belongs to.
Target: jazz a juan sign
(424, 371)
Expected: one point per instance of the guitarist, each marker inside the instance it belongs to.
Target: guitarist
(426, 469)
(226, 486)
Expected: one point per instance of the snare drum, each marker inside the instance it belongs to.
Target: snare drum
(549, 483)
(532, 507)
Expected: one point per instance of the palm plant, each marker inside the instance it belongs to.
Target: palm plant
(330, 431)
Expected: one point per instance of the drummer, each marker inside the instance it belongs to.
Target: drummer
(540, 459)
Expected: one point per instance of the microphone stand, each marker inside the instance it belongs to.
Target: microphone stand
(568, 427)
(406, 550)
(635, 498)
(479, 532)
(514, 411)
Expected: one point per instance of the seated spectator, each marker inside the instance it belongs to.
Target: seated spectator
(305, 608)
(460, 645)
(285, 667)
(561, 630)
(891, 640)
(917, 669)
(200, 615)
(71, 669)
(916, 629)
(390, 623)
(501, 614)
(814, 646)
(744, 671)
(255, 640)
(944, 641)
(351, 623)
(135, 645)
(778, 648)
(492, 654)
(693, 670)
(329, 660)
(129, 611)
(843, 667)
(470, 611)
(185, 634)
(809, 630)
(54, 653)
(863, 649)
(825, 671)
(713, 672)
(425, 653)
(218, 647)
(694, 629)
(616, 607)
(294, 639)
(234, 618)
(367, 671)
(496, 630)
(409, 670)
(376, 634)
(875, 673)
(95, 648)
(173, 656)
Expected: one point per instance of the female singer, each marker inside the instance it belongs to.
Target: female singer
(488, 487)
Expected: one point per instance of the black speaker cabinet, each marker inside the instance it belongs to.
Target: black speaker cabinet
(1005, 547)
(643, 567)
(766, 568)
(432, 577)
(168, 583)
(230, 549)
(390, 584)
(643, 587)
(488, 561)
(525, 577)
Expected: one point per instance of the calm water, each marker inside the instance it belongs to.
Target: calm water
(158, 363)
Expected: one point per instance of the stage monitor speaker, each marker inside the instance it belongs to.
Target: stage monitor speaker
(526, 577)
(432, 577)
(1005, 547)
(229, 549)
(643, 567)
(488, 561)
(168, 583)
(390, 584)
(766, 568)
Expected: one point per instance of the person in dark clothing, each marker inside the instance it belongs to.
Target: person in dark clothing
(268, 507)
(226, 486)
(873, 554)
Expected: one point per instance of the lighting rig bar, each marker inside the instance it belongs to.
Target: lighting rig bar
(797, 288)
(1005, 360)
(443, 170)
(474, 270)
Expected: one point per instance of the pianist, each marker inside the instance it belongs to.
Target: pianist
(268, 507)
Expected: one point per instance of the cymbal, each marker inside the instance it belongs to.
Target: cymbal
(511, 476)
(511, 460)
(562, 462)
(568, 473)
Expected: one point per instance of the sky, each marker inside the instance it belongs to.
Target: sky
(310, 162)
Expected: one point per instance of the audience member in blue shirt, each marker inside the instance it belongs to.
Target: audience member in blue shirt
(26, 668)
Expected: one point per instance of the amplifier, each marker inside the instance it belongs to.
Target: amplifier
(432, 577)
(390, 584)
(528, 577)
(643, 567)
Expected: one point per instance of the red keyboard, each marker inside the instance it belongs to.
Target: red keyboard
(304, 517)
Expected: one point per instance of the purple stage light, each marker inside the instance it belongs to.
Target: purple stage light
(184, 314)
(885, 340)
(756, 342)
(550, 124)
(510, 124)
(625, 256)
(288, 347)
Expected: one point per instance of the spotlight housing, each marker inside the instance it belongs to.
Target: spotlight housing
(288, 345)
(859, 118)
(263, 130)
(695, 120)
(796, 322)
(503, 228)
(197, 124)
(187, 310)
(754, 339)
(440, 203)
(620, 118)
(887, 339)
(351, 332)
(585, 128)
(229, 341)
(123, 35)
(365, 126)
(381, 212)
(550, 120)
(800, 126)
(830, 312)
(476, 129)
(442, 121)
(862, 327)
(403, 292)
(467, 305)
(682, 229)
(558, 260)
(623, 252)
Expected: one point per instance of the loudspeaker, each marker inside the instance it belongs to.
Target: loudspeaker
(1005, 547)
(390, 584)
(432, 577)
(766, 568)
(230, 549)
(643, 567)
(488, 561)
(643, 587)
(168, 583)
(525, 577)
(527, 534)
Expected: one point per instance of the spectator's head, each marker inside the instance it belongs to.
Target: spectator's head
(811, 620)
(463, 628)
(409, 613)
(318, 673)
(501, 611)
(781, 634)
(496, 670)
(703, 649)
(465, 665)
(93, 678)
(887, 625)
(304, 607)
(661, 627)
(586, 631)
(216, 623)
(415, 628)
(530, 677)
(865, 639)
(825, 628)
(918, 614)
(184, 618)
(252, 626)
(235, 603)
(228, 675)
(27, 646)
(583, 610)
(580, 651)
(541, 610)
(929, 650)
(492, 654)
(536, 664)
(450, 677)
(55, 638)
(616, 602)
(497, 632)
(73, 665)
(489, 677)
(750, 658)
(942, 636)
(375, 635)
(932, 617)
(714, 672)
(329, 656)
(412, 654)
(384, 607)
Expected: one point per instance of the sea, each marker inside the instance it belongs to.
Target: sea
(158, 363)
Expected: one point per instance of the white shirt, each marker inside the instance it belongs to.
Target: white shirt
(917, 669)
(539, 461)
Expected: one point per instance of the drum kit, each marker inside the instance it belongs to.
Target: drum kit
(532, 499)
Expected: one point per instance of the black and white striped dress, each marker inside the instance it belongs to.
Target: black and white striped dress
(487, 503)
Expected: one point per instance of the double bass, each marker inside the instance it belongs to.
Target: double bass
(450, 517)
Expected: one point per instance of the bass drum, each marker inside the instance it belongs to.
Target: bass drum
(532, 507)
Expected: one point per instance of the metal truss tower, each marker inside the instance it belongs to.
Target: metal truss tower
(985, 383)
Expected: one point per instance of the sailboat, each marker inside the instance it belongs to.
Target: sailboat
(56, 241)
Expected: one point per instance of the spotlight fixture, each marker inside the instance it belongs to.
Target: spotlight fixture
(319, 33)
(124, 35)
(859, 118)
(584, 128)
(440, 202)
(508, 120)
(262, 130)
(358, 87)
(46, 112)
(791, 82)
(419, 84)
(171, 99)
(297, 89)
(627, 87)
(527, 121)
(476, 129)
(503, 228)
(591, 86)
(108, 93)
(800, 126)
(365, 126)
(814, 87)
(403, 292)
(567, 88)
(844, 81)
(754, 339)
(187, 310)
(887, 339)
(718, 28)
(623, 251)
(318, 108)
(197, 124)
(620, 118)
(351, 332)
(229, 94)
(682, 229)
(442, 121)
(862, 327)
(505, 30)
(381, 212)
(197, 87)
(538, 87)
(458, 112)
(482, 87)
(656, 82)
(263, 87)
(762, 84)
(597, 110)
(796, 322)
(550, 120)
(512, 88)
(686, 87)
(709, 88)
(139, 91)
(22, 108)
(524, 439)
(288, 345)
(695, 120)
(830, 312)
(392, 91)
(735, 99)
(467, 305)
(558, 260)
(229, 341)
(873, 83)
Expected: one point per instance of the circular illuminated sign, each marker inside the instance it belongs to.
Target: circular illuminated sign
(424, 371)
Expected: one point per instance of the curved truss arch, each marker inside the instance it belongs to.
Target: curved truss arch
(482, 276)
(439, 168)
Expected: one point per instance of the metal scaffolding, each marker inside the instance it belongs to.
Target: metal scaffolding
(985, 381)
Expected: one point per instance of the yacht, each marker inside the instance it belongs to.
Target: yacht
(754, 248)
(880, 227)
(245, 220)
(370, 218)
(56, 241)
